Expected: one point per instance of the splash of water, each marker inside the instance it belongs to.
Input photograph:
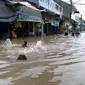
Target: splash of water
(8, 43)
(38, 47)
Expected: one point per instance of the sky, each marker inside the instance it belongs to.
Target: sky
(80, 5)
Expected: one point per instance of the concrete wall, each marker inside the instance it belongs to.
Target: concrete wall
(66, 8)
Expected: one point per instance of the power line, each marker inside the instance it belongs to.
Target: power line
(74, 2)
(67, 1)
(80, 4)
(77, 1)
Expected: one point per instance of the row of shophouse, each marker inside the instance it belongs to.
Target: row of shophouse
(34, 17)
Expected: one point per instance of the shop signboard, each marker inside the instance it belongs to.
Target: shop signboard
(26, 17)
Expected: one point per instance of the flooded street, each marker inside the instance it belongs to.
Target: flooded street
(60, 60)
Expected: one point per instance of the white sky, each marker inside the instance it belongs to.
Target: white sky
(80, 8)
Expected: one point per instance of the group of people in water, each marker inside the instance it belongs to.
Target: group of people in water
(73, 29)
(73, 33)
(24, 42)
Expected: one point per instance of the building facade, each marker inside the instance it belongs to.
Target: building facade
(66, 11)
(51, 12)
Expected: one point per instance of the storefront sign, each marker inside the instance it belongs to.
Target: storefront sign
(29, 14)
(26, 17)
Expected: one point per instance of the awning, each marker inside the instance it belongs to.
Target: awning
(83, 25)
(6, 15)
(55, 25)
(27, 12)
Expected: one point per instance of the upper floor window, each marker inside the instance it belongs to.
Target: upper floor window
(57, 6)
(60, 9)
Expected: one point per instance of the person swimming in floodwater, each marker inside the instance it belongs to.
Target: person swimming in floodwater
(72, 34)
(66, 33)
(24, 43)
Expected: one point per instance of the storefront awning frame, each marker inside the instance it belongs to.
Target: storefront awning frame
(6, 15)
(27, 12)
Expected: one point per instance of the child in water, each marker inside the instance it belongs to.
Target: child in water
(24, 43)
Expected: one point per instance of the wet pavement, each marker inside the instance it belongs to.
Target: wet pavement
(59, 60)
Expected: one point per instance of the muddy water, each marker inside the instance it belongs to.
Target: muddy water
(59, 60)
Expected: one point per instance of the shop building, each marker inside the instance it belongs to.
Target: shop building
(51, 12)
(6, 17)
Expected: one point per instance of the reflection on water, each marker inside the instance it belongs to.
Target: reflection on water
(58, 60)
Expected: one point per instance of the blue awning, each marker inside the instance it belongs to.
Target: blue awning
(83, 24)
(55, 25)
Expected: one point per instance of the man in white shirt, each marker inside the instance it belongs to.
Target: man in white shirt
(70, 28)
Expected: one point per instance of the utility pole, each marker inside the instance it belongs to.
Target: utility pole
(81, 23)
(70, 10)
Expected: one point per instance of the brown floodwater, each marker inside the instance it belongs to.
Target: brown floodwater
(59, 60)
